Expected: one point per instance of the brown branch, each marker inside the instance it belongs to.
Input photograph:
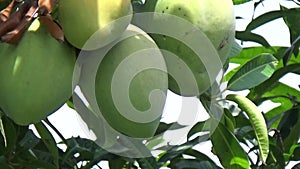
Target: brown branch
(53, 28)
(14, 36)
(14, 20)
(5, 13)
(46, 6)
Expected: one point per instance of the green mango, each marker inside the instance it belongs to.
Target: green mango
(131, 84)
(36, 75)
(215, 18)
(81, 19)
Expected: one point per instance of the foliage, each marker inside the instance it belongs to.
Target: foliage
(244, 137)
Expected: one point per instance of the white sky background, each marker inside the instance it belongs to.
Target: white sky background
(276, 33)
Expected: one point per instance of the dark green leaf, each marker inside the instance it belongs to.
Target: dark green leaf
(177, 151)
(87, 149)
(249, 36)
(198, 155)
(117, 163)
(193, 164)
(295, 152)
(272, 82)
(253, 72)
(148, 163)
(48, 140)
(199, 127)
(164, 127)
(229, 120)
(293, 23)
(30, 140)
(284, 95)
(269, 16)
(10, 133)
(275, 157)
(228, 149)
(297, 166)
(289, 127)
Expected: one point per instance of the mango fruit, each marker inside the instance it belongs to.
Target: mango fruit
(36, 75)
(81, 19)
(131, 83)
(215, 18)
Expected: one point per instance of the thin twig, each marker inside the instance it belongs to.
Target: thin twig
(56, 131)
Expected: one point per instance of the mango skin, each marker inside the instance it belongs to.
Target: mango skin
(215, 18)
(81, 19)
(140, 86)
(36, 76)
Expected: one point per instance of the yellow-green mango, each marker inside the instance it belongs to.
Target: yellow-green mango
(215, 18)
(80, 19)
(131, 84)
(35, 75)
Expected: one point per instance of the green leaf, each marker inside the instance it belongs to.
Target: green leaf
(11, 135)
(164, 127)
(295, 152)
(88, 151)
(193, 164)
(3, 131)
(276, 158)
(249, 36)
(148, 163)
(177, 150)
(235, 50)
(117, 163)
(297, 166)
(269, 16)
(229, 120)
(257, 121)
(257, 92)
(48, 140)
(198, 155)
(237, 2)
(291, 20)
(228, 149)
(293, 49)
(289, 128)
(249, 53)
(253, 73)
(282, 94)
(199, 127)
(30, 140)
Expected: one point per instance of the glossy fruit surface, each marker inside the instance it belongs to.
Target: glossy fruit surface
(131, 84)
(81, 19)
(36, 75)
(215, 18)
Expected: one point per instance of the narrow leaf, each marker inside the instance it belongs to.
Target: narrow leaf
(272, 82)
(257, 121)
(289, 128)
(199, 127)
(297, 166)
(49, 141)
(228, 149)
(237, 2)
(253, 72)
(235, 50)
(194, 164)
(249, 36)
(269, 16)
(3, 131)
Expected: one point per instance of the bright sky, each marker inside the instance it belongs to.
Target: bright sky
(66, 120)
